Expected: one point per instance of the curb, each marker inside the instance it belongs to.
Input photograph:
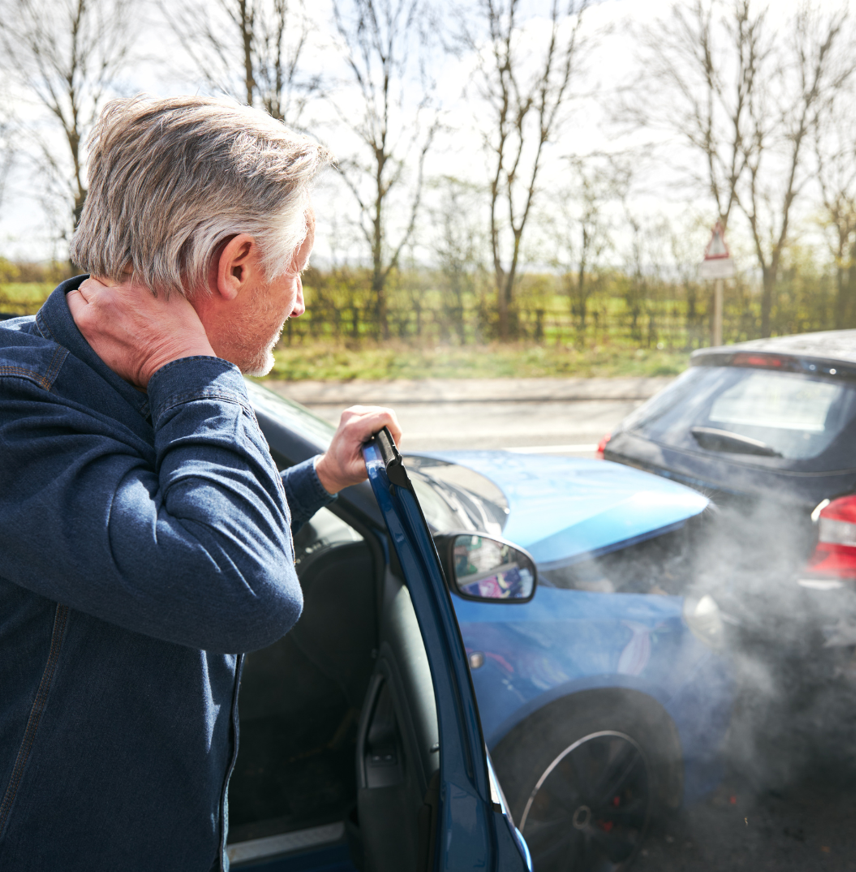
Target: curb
(432, 391)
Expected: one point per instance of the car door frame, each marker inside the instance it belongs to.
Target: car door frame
(474, 830)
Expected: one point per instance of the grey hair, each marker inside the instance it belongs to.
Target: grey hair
(170, 180)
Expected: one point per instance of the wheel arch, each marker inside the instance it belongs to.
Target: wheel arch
(624, 705)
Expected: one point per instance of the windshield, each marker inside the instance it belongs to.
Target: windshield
(292, 415)
(455, 498)
(795, 416)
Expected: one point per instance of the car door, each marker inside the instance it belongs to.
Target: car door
(463, 823)
(360, 742)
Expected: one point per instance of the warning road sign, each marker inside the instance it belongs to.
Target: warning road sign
(716, 248)
(717, 263)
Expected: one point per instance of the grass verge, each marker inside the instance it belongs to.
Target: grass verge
(325, 361)
(24, 298)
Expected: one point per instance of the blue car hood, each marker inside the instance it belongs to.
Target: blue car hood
(565, 509)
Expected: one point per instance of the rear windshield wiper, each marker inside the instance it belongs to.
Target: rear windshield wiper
(733, 443)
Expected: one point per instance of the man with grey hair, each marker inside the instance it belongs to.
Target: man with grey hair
(145, 532)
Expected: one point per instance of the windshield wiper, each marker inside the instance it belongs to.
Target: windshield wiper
(732, 443)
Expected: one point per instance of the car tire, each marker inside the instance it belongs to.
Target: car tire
(584, 778)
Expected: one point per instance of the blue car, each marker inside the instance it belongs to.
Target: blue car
(601, 690)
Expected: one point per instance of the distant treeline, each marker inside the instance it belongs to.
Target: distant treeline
(430, 307)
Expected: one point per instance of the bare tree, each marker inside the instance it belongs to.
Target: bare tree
(834, 140)
(580, 227)
(389, 106)
(7, 153)
(744, 98)
(684, 244)
(66, 57)
(816, 61)
(457, 245)
(637, 277)
(702, 69)
(526, 84)
(252, 50)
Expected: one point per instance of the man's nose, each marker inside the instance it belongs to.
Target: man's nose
(299, 304)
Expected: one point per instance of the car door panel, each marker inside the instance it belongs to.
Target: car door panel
(475, 835)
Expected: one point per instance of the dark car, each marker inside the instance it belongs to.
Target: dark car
(767, 430)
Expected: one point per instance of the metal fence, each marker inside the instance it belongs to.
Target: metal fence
(664, 324)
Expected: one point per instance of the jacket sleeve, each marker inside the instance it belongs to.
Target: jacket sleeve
(188, 541)
(304, 492)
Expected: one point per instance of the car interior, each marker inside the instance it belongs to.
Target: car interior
(338, 723)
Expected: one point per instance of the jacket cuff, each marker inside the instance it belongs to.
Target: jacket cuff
(196, 378)
(304, 492)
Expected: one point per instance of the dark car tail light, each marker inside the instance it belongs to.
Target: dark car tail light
(767, 360)
(835, 554)
(601, 446)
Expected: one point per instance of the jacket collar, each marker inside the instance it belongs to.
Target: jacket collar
(54, 322)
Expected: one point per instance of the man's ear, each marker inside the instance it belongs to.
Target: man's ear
(238, 266)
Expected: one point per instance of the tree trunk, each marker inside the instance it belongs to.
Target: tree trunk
(767, 299)
(379, 294)
(850, 293)
(582, 304)
(841, 290)
(501, 303)
(247, 46)
(692, 317)
(511, 321)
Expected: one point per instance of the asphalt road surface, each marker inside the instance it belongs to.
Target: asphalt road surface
(803, 823)
(807, 826)
(557, 416)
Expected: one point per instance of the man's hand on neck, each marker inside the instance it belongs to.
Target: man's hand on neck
(134, 332)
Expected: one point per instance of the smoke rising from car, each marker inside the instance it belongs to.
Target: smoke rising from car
(792, 647)
(792, 644)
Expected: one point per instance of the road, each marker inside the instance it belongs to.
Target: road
(556, 416)
(805, 827)
(804, 823)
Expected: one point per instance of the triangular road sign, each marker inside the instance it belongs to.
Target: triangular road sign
(716, 248)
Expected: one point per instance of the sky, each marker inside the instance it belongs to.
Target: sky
(161, 69)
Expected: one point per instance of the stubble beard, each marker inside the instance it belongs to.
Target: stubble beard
(252, 340)
(261, 366)
(260, 361)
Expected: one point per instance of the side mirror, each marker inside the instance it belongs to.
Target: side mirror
(487, 570)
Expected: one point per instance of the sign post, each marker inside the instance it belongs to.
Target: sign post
(717, 265)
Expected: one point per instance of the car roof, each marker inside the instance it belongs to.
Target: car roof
(830, 346)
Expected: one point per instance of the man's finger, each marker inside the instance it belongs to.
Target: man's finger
(372, 419)
(87, 288)
(76, 303)
(395, 428)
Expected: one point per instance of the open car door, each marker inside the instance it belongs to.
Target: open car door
(463, 823)
(361, 748)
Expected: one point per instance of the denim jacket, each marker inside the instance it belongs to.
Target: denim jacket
(145, 541)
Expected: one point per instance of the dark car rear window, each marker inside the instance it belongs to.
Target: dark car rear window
(797, 416)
